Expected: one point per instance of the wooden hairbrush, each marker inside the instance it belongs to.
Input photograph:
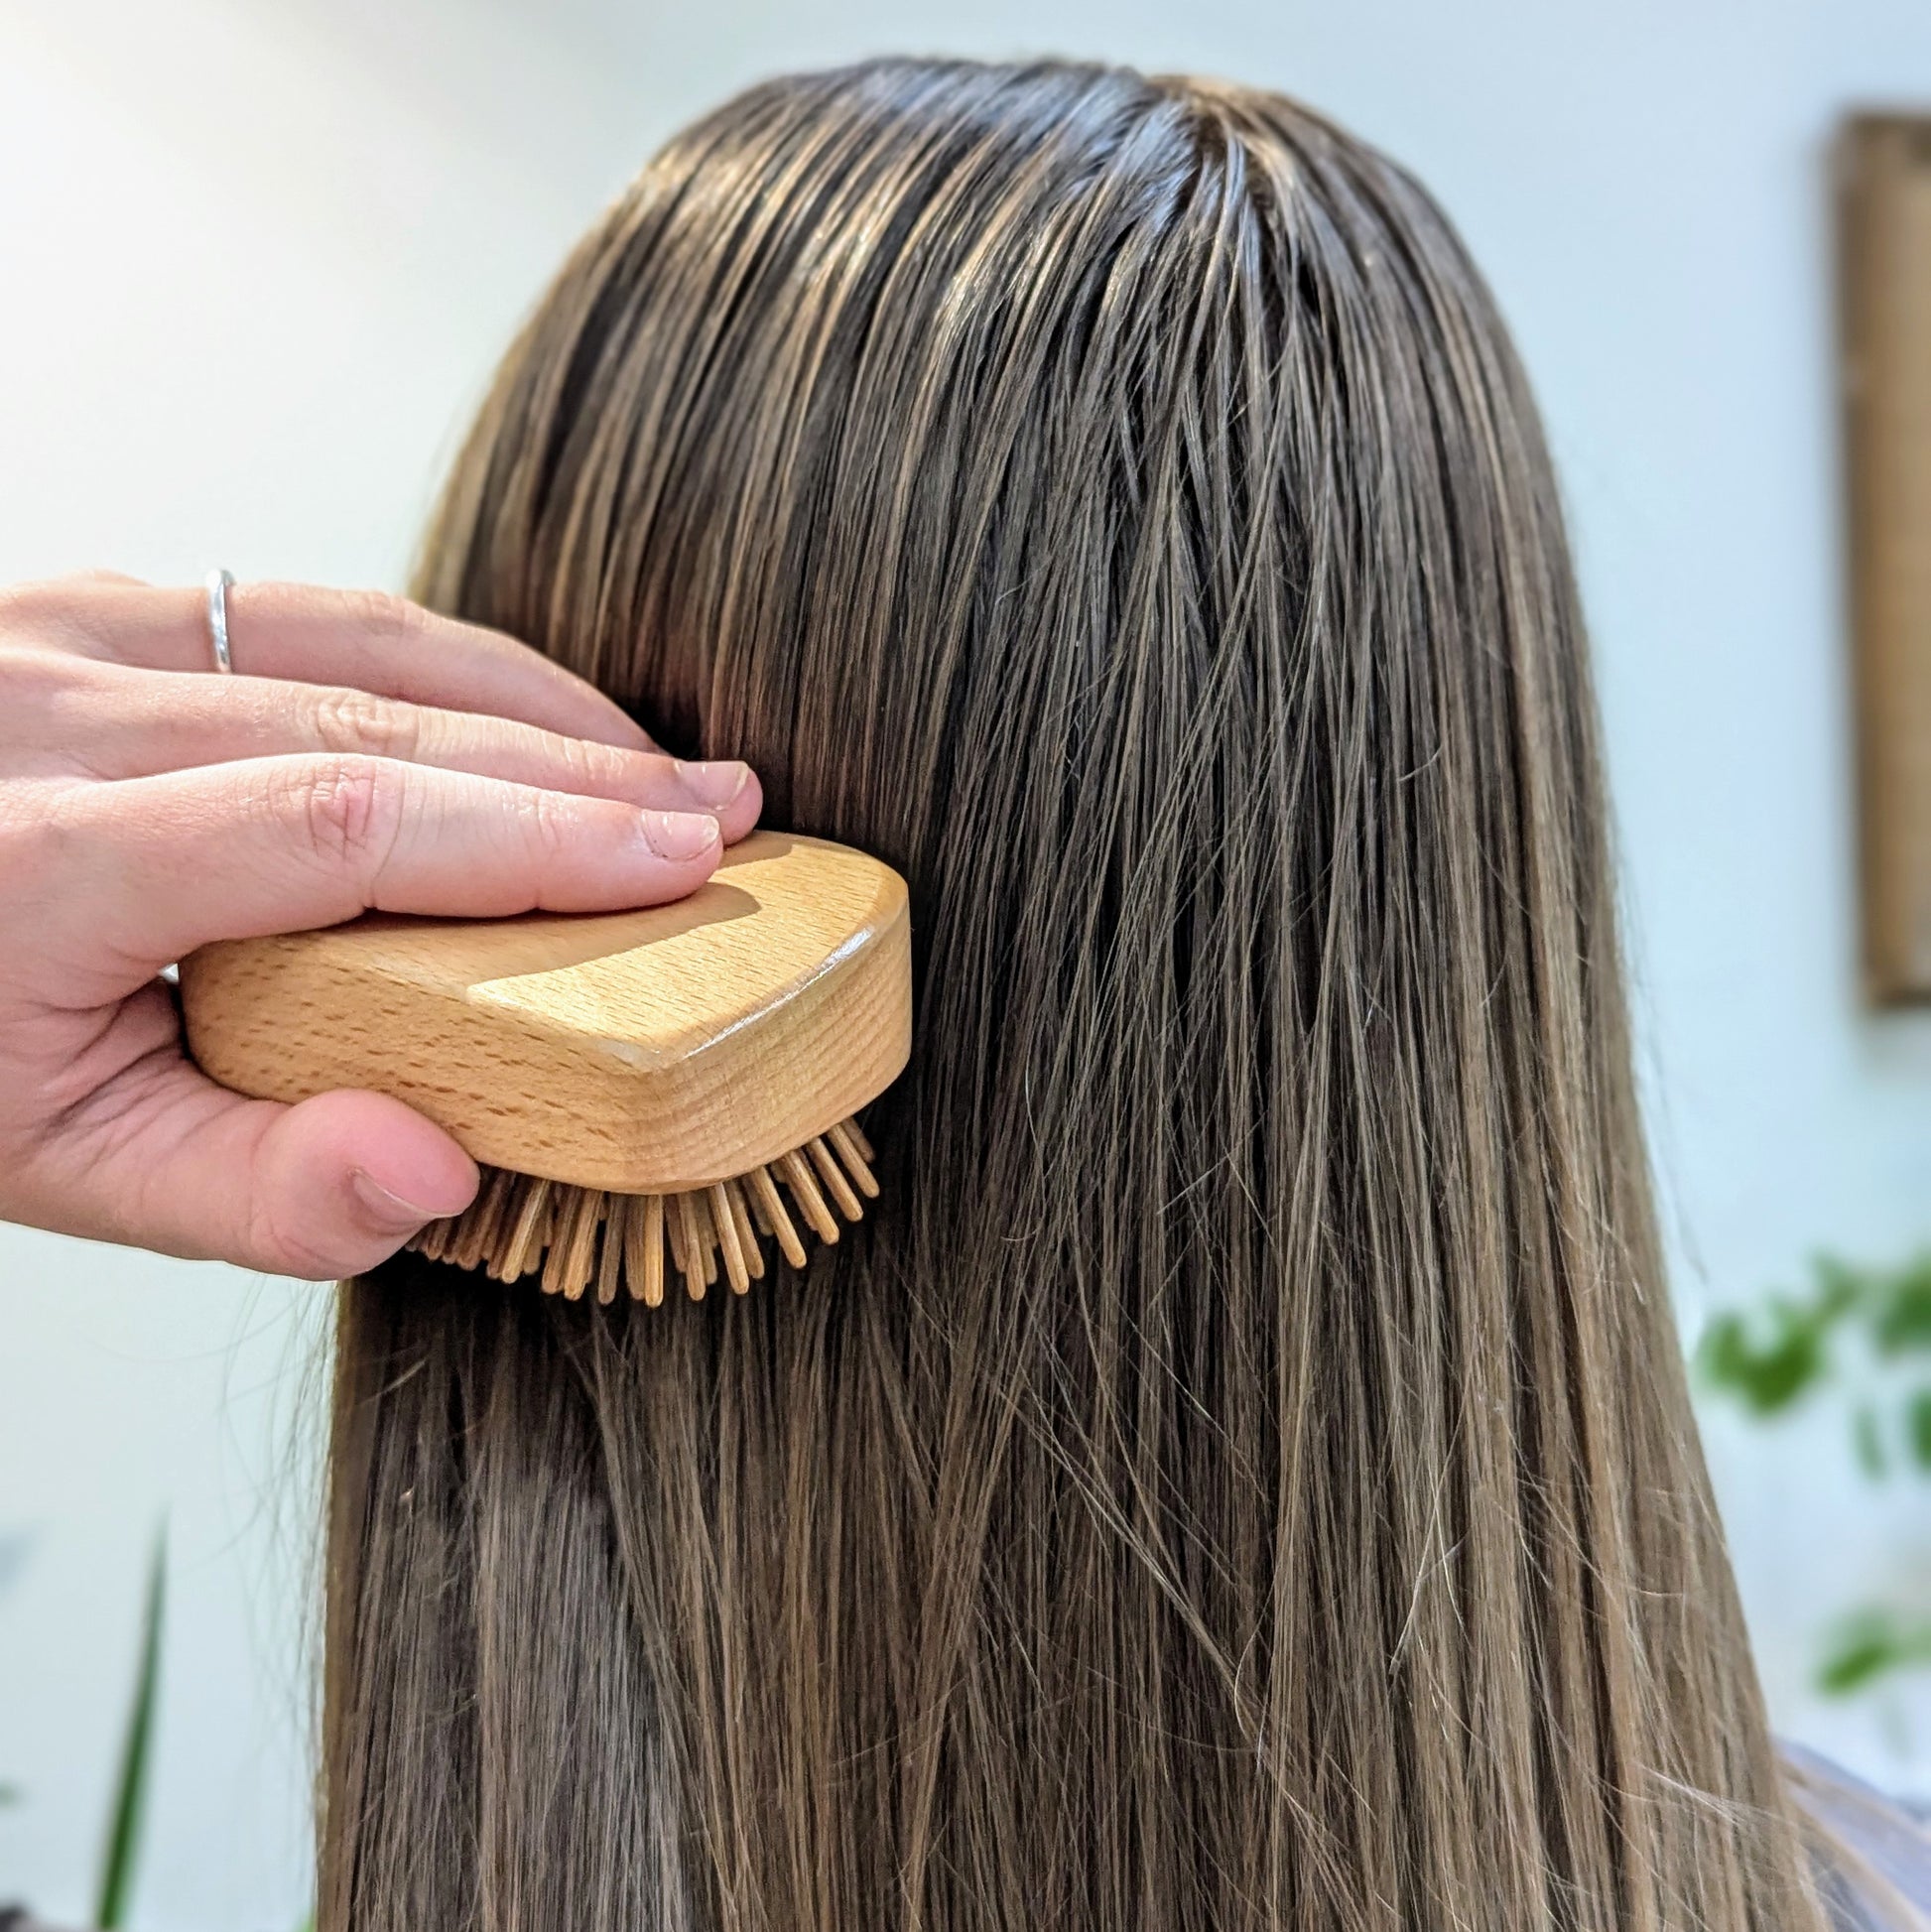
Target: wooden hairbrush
(629, 1082)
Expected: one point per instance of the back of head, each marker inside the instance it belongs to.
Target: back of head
(1241, 1474)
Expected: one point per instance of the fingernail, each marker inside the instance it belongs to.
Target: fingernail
(713, 781)
(387, 1209)
(679, 834)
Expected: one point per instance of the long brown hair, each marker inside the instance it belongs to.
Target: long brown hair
(1242, 1475)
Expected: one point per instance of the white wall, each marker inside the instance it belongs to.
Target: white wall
(255, 261)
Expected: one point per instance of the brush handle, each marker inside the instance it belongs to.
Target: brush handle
(643, 1052)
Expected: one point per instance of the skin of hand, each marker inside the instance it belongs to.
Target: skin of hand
(365, 754)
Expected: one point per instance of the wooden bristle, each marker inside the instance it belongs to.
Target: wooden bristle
(443, 1241)
(707, 1235)
(557, 1260)
(567, 1270)
(747, 1239)
(724, 1220)
(438, 1241)
(689, 1245)
(647, 1267)
(483, 1226)
(764, 1191)
(577, 1239)
(610, 1266)
(760, 1214)
(804, 1190)
(546, 1227)
(836, 1185)
(520, 1253)
(674, 1230)
(856, 1163)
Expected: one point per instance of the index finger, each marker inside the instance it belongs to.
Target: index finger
(367, 639)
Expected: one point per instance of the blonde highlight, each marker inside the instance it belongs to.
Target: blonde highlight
(1244, 1476)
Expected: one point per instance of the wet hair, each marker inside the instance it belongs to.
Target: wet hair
(1242, 1475)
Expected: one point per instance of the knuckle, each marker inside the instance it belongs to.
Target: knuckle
(386, 616)
(346, 809)
(360, 723)
(37, 828)
(33, 681)
(587, 767)
(63, 715)
(48, 837)
(553, 825)
(37, 608)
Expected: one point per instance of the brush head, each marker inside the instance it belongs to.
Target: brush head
(661, 1051)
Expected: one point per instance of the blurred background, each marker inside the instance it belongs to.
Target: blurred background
(257, 261)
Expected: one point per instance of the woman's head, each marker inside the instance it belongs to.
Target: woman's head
(1241, 1474)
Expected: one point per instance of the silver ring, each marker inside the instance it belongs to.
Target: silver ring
(220, 583)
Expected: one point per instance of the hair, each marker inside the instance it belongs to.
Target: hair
(1242, 1475)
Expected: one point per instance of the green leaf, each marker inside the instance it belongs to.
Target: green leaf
(1765, 1376)
(1853, 1661)
(1871, 1644)
(1918, 1426)
(10, 1794)
(137, 1750)
(1904, 1319)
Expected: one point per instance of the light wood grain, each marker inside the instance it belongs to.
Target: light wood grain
(645, 1052)
(1885, 174)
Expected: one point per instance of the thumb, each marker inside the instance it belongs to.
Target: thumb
(340, 1182)
(323, 1189)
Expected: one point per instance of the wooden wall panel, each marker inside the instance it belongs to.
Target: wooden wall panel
(1884, 181)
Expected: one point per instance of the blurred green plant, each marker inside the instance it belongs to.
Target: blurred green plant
(128, 1813)
(1770, 1359)
(1870, 1643)
(124, 1822)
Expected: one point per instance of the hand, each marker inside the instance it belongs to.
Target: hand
(365, 754)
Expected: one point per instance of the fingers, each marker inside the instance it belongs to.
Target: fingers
(363, 638)
(160, 865)
(162, 1157)
(140, 724)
